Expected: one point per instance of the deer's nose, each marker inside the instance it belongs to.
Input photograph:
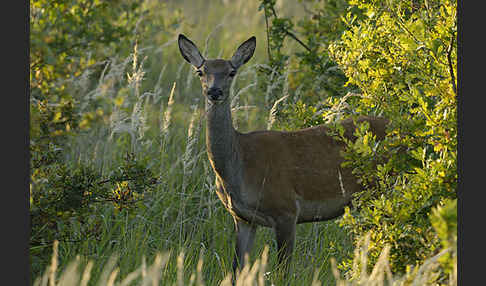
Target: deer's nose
(215, 93)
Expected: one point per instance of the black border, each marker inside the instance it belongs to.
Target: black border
(469, 95)
(14, 210)
(460, 154)
(15, 143)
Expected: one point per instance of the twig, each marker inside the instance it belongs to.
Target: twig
(290, 33)
(297, 39)
(268, 37)
(154, 181)
(449, 59)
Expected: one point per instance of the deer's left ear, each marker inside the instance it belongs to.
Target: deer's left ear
(244, 53)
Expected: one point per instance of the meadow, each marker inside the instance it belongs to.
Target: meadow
(175, 231)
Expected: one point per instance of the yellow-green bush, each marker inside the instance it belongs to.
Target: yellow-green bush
(400, 59)
(403, 57)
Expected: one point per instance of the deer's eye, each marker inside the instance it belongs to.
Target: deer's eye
(199, 73)
(232, 73)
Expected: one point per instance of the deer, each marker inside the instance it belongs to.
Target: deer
(270, 178)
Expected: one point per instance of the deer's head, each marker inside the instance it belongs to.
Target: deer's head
(216, 75)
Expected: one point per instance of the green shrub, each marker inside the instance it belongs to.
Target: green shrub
(398, 58)
(62, 194)
(444, 221)
(306, 69)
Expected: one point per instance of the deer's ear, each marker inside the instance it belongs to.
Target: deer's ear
(190, 52)
(244, 52)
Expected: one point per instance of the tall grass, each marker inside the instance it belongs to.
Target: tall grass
(254, 273)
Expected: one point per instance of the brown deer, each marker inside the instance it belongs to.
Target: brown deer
(269, 178)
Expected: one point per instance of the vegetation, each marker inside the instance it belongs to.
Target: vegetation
(398, 58)
(120, 184)
(252, 274)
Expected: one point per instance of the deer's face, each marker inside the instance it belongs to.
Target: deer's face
(216, 75)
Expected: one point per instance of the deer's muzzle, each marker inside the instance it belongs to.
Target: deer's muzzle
(215, 93)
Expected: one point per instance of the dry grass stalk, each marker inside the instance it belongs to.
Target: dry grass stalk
(189, 156)
(54, 263)
(86, 274)
(337, 110)
(180, 269)
(251, 274)
(272, 117)
(168, 111)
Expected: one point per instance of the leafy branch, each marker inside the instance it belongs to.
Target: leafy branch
(269, 5)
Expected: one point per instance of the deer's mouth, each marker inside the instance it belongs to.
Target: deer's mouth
(216, 99)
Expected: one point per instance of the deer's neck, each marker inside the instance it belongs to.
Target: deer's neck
(221, 143)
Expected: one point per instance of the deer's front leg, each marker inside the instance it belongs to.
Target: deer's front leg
(285, 234)
(245, 235)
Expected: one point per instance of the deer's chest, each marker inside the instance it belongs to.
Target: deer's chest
(242, 208)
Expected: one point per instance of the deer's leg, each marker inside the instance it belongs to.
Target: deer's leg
(245, 235)
(285, 234)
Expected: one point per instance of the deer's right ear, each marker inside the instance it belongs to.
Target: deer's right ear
(190, 52)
